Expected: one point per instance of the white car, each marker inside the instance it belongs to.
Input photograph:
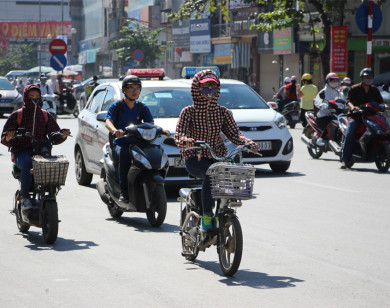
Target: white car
(166, 99)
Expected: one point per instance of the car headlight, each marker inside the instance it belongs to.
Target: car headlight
(142, 159)
(148, 134)
(280, 121)
(164, 160)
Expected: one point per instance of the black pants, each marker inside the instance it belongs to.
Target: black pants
(302, 117)
(322, 123)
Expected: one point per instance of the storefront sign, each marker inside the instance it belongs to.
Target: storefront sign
(30, 29)
(338, 49)
(282, 41)
(200, 41)
(223, 54)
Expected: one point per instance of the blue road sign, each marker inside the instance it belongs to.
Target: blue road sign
(362, 17)
(58, 61)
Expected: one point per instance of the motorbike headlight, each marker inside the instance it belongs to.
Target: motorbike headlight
(141, 159)
(148, 134)
(280, 121)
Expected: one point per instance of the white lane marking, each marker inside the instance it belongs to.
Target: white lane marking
(328, 187)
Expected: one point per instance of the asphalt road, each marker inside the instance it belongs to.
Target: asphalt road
(317, 236)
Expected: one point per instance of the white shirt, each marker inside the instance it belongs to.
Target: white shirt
(45, 89)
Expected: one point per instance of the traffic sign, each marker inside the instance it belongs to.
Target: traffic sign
(58, 46)
(58, 61)
(362, 17)
(137, 55)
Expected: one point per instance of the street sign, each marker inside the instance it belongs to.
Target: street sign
(58, 46)
(362, 17)
(58, 61)
(138, 55)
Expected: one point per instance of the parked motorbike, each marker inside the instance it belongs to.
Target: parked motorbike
(68, 105)
(49, 174)
(334, 137)
(50, 104)
(146, 177)
(372, 142)
(291, 112)
(230, 184)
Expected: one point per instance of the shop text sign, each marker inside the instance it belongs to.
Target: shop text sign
(339, 52)
(30, 29)
(282, 41)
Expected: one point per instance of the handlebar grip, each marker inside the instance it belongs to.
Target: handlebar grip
(199, 143)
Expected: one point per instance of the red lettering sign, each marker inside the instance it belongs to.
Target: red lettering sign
(30, 29)
(338, 49)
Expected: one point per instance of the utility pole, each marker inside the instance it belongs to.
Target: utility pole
(369, 32)
(40, 39)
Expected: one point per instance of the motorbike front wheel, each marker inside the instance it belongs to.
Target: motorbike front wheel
(50, 222)
(230, 245)
(156, 215)
(188, 241)
(382, 157)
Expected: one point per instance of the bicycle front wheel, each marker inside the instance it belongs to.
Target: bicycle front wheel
(230, 245)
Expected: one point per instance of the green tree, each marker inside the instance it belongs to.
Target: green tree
(135, 36)
(22, 57)
(279, 14)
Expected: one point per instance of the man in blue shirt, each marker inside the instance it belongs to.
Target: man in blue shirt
(120, 115)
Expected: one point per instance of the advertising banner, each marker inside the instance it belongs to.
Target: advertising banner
(282, 40)
(338, 50)
(200, 31)
(30, 29)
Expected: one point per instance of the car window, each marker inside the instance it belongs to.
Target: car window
(5, 85)
(95, 102)
(240, 96)
(165, 103)
(108, 100)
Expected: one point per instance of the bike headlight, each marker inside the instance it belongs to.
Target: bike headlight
(141, 159)
(280, 121)
(148, 134)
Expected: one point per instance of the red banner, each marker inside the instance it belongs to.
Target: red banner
(30, 29)
(338, 50)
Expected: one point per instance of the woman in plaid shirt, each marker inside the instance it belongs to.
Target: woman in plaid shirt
(35, 122)
(205, 120)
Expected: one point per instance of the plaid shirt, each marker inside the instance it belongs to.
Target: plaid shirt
(205, 120)
(34, 122)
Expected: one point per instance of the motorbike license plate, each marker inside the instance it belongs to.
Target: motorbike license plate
(177, 162)
(264, 145)
(295, 117)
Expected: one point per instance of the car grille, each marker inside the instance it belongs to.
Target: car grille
(276, 144)
(6, 100)
(255, 128)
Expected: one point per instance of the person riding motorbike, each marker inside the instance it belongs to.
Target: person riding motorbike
(33, 120)
(59, 88)
(43, 86)
(120, 115)
(205, 120)
(329, 92)
(280, 94)
(361, 93)
(290, 92)
(345, 86)
(306, 92)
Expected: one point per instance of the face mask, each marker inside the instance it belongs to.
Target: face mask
(209, 92)
(333, 84)
(368, 82)
(35, 100)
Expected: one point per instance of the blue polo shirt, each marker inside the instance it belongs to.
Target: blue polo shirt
(128, 116)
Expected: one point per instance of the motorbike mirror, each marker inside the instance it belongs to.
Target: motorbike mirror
(101, 116)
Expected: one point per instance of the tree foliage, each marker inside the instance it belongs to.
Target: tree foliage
(135, 36)
(23, 57)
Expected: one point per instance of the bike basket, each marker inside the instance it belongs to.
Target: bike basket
(51, 170)
(230, 180)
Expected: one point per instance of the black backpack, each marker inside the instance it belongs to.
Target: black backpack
(111, 136)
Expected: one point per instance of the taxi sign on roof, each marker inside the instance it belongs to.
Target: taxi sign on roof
(188, 72)
(147, 72)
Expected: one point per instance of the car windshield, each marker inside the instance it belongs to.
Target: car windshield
(165, 103)
(5, 85)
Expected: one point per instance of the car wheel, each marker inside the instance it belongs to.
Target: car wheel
(280, 167)
(82, 176)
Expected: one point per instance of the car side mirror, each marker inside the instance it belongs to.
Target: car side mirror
(101, 116)
(272, 105)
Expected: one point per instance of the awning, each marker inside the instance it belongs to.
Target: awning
(241, 55)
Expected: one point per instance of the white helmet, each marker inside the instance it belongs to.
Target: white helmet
(287, 80)
(346, 81)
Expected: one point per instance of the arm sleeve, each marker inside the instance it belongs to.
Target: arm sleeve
(111, 113)
(147, 114)
(182, 128)
(9, 125)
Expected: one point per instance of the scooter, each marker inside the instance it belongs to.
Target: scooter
(50, 104)
(372, 142)
(68, 105)
(146, 177)
(291, 112)
(312, 131)
(49, 174)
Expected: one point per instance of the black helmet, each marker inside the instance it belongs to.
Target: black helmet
(131, 79)
(366, 72)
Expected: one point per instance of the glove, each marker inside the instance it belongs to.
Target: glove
(324, 106)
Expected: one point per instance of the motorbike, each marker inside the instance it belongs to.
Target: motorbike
(334, 137)
(291, 112)
(50, 105)
(146, 177)
(68, 105)
(49, 174)
(372, 142)
(230, 184)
